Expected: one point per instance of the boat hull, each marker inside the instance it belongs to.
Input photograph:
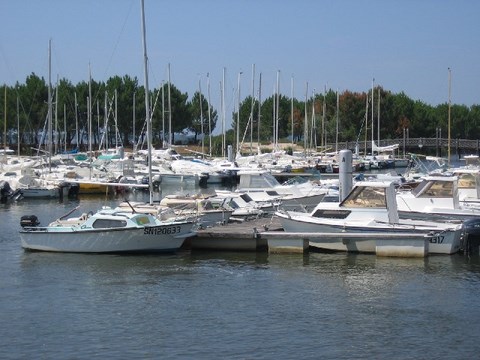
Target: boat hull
(163, 238)
(440, 242)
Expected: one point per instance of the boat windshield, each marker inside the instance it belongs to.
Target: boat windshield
(370, 197)
(466, 181)
(436, 189)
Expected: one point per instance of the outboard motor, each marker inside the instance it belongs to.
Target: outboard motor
(73, 190)
(29, 221)
(472, 231)
(7, 193)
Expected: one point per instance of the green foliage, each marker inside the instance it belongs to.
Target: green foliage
(354, 118)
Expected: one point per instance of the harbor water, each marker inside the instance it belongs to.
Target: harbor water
(219, 305)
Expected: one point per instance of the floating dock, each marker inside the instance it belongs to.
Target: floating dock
(266, 234)
(242, 236)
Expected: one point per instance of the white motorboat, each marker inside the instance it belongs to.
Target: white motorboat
(370, 208)
(435, 198)
(262, 186)
(201, 208)
(106, 231)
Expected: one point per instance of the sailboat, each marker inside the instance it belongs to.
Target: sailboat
(109, 230)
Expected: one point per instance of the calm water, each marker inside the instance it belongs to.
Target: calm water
(228, 305)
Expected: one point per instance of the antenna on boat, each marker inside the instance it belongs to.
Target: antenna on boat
(131, 207)
(68, 213)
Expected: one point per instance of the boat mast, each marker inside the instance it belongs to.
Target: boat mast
(50, 106)
(259, 111)
(324, 112)
(251, 109)
(378, 119)
(18, 125)
(147, 104)
(65, 127)
(89, 108)
(238, 113)
(163, 114)
(291, 109)
(305, 122)
(56, 140)
(373, 81)
(5, 127)
(201, 115)
(76, 123)
(336, 128)
(224, 140)
(170, 137)
(277, 110)
(133, 122)
(116, 119)
(449, 110)
(209, 118)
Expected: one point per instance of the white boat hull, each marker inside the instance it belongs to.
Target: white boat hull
(43, 193)
(446, 242)
(163, 238)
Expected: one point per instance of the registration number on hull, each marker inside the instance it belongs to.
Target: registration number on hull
(437, 239)
(165, 230)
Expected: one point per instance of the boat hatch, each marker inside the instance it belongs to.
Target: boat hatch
(246, 198)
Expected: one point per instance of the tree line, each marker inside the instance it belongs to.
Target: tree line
(118, 114)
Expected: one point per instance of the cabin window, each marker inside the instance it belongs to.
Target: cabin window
(439, 189)
(466, 181)
(370, 197)
(331, 214)
(246, 198)
(142, 220)
(109, 223)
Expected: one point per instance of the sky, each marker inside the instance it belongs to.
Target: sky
(404, 46)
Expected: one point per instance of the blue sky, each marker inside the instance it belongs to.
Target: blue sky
(404, 45)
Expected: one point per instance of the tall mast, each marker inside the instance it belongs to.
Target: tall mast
(259, 111)
(163, 114)
(116, 119)
(5, 126)
(147, 105)
(209, 118)
(223, 113)
(324, 113)
(305, 121)
(65, 127)
(18, 125)
(449, 110)
(90, 117)
(251, 108)
(133, 120)
(56, 116)
(76, 123)
(378, 119)
(201, 115)
(277, 109)
(50, 105)
(238, 113)
(373, 81)
(105, 120)
(169, 110)
(336, 129)
(291, 108)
